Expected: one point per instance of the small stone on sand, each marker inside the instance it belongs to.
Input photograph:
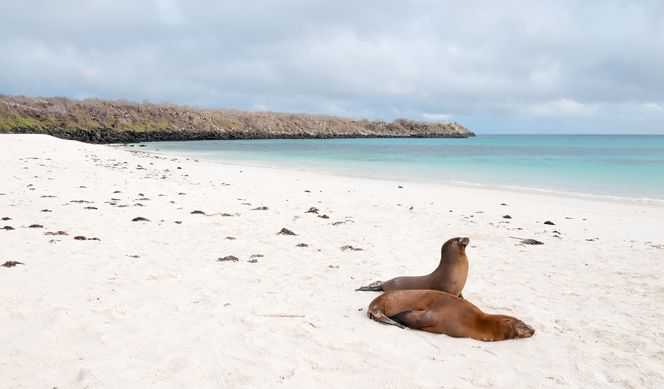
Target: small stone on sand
(12, 263)
(286, 231)
(140, 219)
(351, 248)
(56, 233)
(228, 258)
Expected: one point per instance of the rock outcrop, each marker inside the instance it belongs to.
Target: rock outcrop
(100, 121)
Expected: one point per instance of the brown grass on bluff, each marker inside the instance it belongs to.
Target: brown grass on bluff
(77, 118)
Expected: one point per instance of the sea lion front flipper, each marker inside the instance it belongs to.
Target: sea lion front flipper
(376, 286)
(381, 318)
(414, 319)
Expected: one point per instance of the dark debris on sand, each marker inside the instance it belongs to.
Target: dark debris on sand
(285, 231)
(35, 226)
(312, 210)
(197, 212)
(81, 237)
(228, 258)
(12, 263)
(301, 245)
(56, 233)
(8, 228)
(140, 219)
(528, 241)
(261, 208)
(351, 248)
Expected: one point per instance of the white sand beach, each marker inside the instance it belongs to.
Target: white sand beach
(148, 305)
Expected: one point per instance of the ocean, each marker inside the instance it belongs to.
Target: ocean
(629, 166)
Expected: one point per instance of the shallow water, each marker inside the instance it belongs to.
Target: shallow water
(614, 165)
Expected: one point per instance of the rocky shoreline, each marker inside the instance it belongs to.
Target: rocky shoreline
(99, 121)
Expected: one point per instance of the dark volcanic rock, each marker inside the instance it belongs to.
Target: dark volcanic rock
(197, 212)
(56, 233)
(286, 231)
(531, 242)
(351, 248)
(140, 219)
(549, 223)
(12, 263)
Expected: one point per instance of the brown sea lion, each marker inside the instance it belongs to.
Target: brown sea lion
(444, 313)
(450, 275)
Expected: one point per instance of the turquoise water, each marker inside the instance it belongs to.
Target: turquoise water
(616, 165)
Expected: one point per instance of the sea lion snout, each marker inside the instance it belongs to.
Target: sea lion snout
(463, 241)
(523, 330)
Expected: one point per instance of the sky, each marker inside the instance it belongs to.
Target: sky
(494, 66)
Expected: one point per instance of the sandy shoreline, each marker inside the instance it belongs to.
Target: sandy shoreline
(149, 305)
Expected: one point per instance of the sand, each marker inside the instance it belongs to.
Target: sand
(150, 305)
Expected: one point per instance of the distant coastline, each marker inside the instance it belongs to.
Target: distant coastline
(104, 121)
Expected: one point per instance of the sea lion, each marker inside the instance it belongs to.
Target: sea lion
(450, 275)
(443, 313)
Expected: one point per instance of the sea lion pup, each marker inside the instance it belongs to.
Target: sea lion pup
(444, 313)
(450, 275)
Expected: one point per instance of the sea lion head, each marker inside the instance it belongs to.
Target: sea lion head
(513, 328)
(455, 246)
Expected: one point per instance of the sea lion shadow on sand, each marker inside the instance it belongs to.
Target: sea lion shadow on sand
(450, 275)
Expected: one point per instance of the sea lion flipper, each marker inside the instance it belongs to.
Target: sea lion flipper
(414, 319)
(381, 318)
(376, 286)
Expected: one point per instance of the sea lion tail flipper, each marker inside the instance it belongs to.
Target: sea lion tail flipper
(414, 319)
(376, 286)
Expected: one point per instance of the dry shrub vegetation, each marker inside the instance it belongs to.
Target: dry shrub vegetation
(104, 121)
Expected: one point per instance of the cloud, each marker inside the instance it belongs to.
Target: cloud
(562, 107)
(513, 66)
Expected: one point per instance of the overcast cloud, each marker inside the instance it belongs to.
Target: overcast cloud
(495, 66)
